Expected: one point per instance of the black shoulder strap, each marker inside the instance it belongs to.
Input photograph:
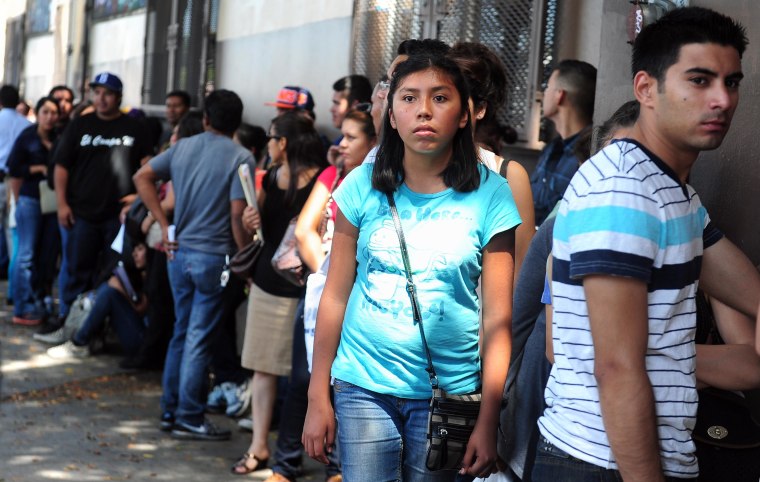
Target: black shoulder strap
(503, 168)
(411, 289)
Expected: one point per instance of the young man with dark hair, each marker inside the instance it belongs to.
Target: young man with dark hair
(177, 105)
(208, 218)
(65, 97)
(348, 92)
(94, 162)
(631, 243)
(569, 103)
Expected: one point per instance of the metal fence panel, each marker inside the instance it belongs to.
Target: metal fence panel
(520, 32)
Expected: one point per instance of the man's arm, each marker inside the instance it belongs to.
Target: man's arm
(145, 183)
(65, 215)
(619, 321)
(236, 219)
(729, 276)
(735, 365)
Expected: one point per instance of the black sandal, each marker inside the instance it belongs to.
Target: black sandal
(243, 464)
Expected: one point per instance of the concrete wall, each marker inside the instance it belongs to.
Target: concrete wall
(580, 30)
(118, 46)
(8, 10)
(39, 59)
(264, 45)
(726, 179)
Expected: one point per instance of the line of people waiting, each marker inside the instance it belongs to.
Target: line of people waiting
(422, 139)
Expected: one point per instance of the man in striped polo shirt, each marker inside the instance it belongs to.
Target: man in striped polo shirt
(631, 243)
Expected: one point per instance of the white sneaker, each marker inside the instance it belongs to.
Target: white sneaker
(68, 350)
(239, 400)
(54, 338)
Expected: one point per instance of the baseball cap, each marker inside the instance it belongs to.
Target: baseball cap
(107, 80)
(290, 97)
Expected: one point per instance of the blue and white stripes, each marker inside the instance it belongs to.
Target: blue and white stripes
(626, 214)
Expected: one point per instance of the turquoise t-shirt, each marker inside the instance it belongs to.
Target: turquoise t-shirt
(380, 347)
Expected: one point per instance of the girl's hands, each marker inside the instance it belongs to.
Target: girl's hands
(480, 458)
(319, 430)
(251, 219)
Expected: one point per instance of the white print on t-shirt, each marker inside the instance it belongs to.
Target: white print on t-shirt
(438, 262)
(88, 140)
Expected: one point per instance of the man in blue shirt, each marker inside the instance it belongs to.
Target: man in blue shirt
(569, 103)
(11, 125)
(208, 218)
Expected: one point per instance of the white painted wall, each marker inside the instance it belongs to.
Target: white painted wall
(39, 59)
(118, 46)
(8, 9)
(581, 30)
(265, 45)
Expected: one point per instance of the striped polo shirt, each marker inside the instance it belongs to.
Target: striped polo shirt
(626, 213)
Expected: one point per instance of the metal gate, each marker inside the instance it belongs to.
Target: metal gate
(520, 32)
(180, 49)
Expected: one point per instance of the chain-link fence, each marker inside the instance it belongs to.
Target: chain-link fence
(520, 32)
(379, 26)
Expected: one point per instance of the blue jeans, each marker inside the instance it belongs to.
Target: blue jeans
(63, 274)
(289, 448)
(382, 437)
(28, 224)
(553, 464)
(4, 208)
(110, 303)
(225, 362)
(194, 278)
(85, 244)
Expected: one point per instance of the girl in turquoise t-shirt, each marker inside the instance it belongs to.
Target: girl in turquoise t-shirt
(459, 223)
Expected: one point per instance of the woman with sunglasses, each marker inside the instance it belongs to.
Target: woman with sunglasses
(298, 156)
(358, 138)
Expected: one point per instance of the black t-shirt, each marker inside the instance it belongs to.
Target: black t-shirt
(28, 151)
(101, 157)
(275, 217)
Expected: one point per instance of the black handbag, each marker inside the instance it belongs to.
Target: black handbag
(727, 438)
(242, 263)
(451, 418)
(134, 219)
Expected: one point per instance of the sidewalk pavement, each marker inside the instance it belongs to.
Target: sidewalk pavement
(88, 420)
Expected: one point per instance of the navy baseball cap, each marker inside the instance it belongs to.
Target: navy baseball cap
(107, 80)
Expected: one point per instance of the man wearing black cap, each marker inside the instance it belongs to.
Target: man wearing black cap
(94, 164)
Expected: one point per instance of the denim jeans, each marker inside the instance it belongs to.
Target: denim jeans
(4, 208)
(63, 274)
(225, 362)
(194, 277)
(28, 224)
(382, 437)
(289, 448)
(553, 464)
(111, 304)
(85, 245)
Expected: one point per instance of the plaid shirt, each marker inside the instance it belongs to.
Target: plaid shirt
(556, 166)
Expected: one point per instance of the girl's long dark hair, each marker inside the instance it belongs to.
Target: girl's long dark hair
(304, 147)
(462, 173)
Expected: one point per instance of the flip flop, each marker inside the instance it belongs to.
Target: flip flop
(243, 464)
